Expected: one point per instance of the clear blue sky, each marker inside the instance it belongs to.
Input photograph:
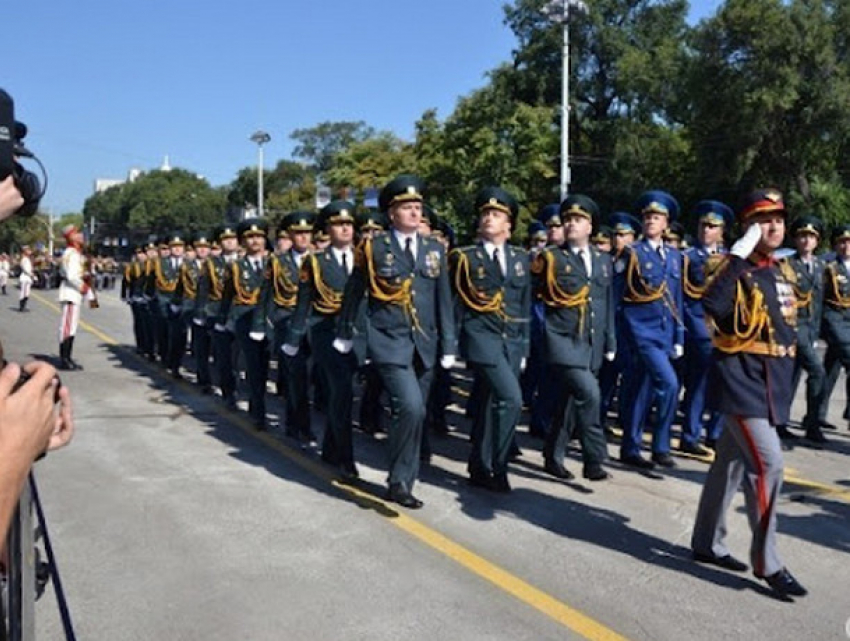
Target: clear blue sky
(106, 85)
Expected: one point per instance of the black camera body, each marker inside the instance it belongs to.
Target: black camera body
(12, 134)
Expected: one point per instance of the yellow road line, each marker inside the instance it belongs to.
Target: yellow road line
(86, 326)
(571, 618)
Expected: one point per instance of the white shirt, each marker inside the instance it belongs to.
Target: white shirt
(492, 247)
(299, 257)
(349, 257)
(402, 241)
(656, 245)
(584, 252)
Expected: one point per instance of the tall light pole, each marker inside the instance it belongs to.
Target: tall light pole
(559, 11)
(261, 138)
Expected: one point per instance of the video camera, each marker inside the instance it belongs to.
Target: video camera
(12, 134)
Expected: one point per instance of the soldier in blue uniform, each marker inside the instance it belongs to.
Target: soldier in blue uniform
(411, 323)
(322, 281)
(625, 229)
(808, 289)
(243, 286)
(574, 282)
(278, 300)
(713, 218)
(492, 283)
(650, 277)
(750, 300)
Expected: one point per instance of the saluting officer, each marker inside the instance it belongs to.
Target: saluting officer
(410, 322)
(245, 318)
(322, 282)
(574, 282)
(279, 299)
(493, 285)
(808, 288)
(651, 281)
(750, 299)
(713, 218)
(210, 312)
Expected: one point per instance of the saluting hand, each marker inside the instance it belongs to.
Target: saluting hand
(745, 245)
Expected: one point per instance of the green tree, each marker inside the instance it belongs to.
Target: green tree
(319, 145)
(371, 162)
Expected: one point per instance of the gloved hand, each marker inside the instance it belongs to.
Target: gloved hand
(745, 245)
(343, 345)
(198, 321)
(219, 327)
(610, 356)
(678, 352)
(290, 350)
(256, 336)
(175, 309)
(447, 361)
(523, 364)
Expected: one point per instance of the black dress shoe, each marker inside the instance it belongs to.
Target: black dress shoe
(786, 435)
(557, 470)
(501, 483)
(824, 425)
(664, 460)
(784, 584)
(206, 390)
(481, 479)
(814, 435)
(595, 473)
(349, 472)
(636, 460)
(728, 561)
(398, 494)
(711, 443)
(693, 448)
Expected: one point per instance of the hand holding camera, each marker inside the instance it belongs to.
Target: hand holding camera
(20, 191)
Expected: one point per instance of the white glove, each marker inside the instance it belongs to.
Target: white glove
(447, 361)
(343, 345)
(523, 364)
(745, 245)
(290, 350)
(198, 321)
(678, 352)
(610, 356)
(256, 336)
(175, 309)
(219, 327)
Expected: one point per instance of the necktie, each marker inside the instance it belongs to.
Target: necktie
(809, 267)
(345, 261)
(408, 249)
(497, 261)
(584, 259)
(660, 250)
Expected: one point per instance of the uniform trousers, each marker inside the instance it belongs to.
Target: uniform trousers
(698, 357)
(178, 332)
(339, 370)
(70, 320)
(809, 360)
(201, 350)
(748, 454)
(256, 366)
(407, 387)
(223, 358)
(582, 414)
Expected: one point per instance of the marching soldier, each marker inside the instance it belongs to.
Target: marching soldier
(132, 293)
(210, 311)
(25, 278)
(750, 300)
(279, 300)
(713, 219)
(602, 239)
(492, 283)
(76, 284)
(574, 282)
(243, 286)
(161, 285)
(146, 303)
(650, 276)
(184, 305)
(808, 289)
(322, 282)
(410, 323)
(173, 273)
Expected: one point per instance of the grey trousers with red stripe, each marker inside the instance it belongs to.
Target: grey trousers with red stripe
(748, 455)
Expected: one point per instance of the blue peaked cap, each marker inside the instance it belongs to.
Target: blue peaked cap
(658, 202)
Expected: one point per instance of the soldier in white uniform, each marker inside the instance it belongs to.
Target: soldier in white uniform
(74, 289)
(4, 272)
(26, 278)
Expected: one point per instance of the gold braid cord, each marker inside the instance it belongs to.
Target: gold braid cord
(750, 320)
(473, 298)
(803, 299)
(381, 289)
(216, 286)
(552, 294)
(190, 287)
(836, 299)
(162, 282)
(327, 300)
(647, 293)
(242, 296)
(692, 291)
(285, 291)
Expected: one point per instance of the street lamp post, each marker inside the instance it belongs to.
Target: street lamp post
(261, 138)
(559, 11)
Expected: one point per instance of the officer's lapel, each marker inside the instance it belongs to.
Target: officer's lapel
(399, 253)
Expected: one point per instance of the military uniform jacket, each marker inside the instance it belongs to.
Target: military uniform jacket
(808, 289)
(162, 279)
(753, 308)
(580, 309)
(409, 303)
(320, 291)
(836, 302)
(186, 292)
(694, 261)
(280, 288)
(72, 270)
(493, 307)
(208, 304)
(652, 294)
(243, 286)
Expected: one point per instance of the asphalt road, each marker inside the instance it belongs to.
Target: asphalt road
(173, 520)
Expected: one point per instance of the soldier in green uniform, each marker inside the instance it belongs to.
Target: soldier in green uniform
(243, 286)
(132, 293)
(161, 286)
(279, 299)
(410, 322)
(322, 282)
(492, 282)
(185, 300)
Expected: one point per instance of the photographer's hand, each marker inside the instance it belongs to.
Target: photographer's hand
(10, 198)
(63, 430)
